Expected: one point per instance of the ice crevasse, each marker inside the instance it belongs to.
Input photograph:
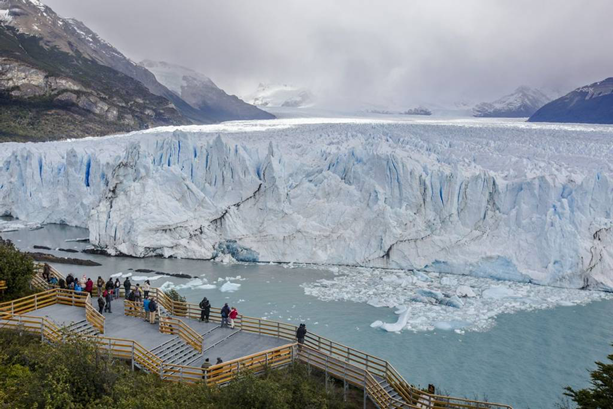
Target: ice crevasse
(513, 201)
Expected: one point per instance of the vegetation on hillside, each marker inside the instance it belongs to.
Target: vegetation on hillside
(600, 394)
(17, 269)
(75, 374)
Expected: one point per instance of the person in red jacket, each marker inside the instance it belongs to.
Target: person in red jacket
(89, 286)
(233, 315)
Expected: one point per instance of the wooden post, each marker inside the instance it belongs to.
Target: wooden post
(365, 396)
(132, 356)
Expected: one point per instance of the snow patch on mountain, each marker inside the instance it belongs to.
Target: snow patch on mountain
(522, 103)
(514, 201)
(275, 96)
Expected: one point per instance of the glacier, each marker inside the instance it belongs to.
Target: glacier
(510, 200)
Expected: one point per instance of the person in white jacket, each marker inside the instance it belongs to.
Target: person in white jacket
(146, 289)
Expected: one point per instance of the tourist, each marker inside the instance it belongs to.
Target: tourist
(108, 297)
(117, 288)
(205, 367)
(77, 287)
(83, 280)
(225, 311)
(426, 401)
(146, 308)
(138, 294)
(89, 286)
(62, 283)
(146, 288)
(53, 281)
(100, 285)
(301, 333)
(131, 296)
(69, 281)
(219, 361)
(233, 315)
(110, 287)
(126, 286)
(47, 272)
(205, 309)
(153, 307)
(101, 303)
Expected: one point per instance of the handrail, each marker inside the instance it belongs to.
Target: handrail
(175, 326)
(3, 285)
(94, 317)
(361, 360)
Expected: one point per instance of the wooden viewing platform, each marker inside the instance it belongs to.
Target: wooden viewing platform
(178, 343)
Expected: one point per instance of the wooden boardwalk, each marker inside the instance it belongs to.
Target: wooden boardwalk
(224, 343)
(178, 343)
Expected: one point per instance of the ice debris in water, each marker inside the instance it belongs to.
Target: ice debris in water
(447, 302)
(229, 287)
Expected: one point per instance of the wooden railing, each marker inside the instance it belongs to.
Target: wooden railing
(175, 326)
(39, 282)
(133, 309)
(271, 358)
(3, 285)
(37, 325)
(93, 316)
(357, 363)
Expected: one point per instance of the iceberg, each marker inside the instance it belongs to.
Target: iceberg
(508, 200)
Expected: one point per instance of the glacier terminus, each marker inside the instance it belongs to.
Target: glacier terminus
(498, 199)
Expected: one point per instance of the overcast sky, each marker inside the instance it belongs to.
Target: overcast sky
(379, 51)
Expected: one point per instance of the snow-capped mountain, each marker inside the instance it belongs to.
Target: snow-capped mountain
(201, 93)
(467, 198)
(589, 104)
(522, 103)
(276, 96)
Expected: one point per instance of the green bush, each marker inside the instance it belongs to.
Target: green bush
(600, 394)
(17, 269)
(174, 295)
(76, 375)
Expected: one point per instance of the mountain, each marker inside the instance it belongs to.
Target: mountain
(522, 103)
(589, 104)
(378, 194)
(201, 93)
(57, 80)
(276, 96)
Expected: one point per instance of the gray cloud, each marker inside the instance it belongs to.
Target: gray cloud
(391, 51)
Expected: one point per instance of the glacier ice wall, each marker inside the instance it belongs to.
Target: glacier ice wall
(510, 200)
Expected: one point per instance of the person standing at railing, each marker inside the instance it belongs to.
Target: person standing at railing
(225, 311)
(100, 285)
(146, 288)
(117, 288)
(153, 307)
(89, 286)
(233, 315)
(205, 368)
(109, 286)
(138, 294)
(205, 309)
(301, 333)
(47, 272)
(77, 287)
(126, 286)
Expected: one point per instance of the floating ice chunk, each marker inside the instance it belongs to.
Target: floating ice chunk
(229, 287)
(126, 275)
(333, 269)
(206, 287)
(437, 295)
(450, 325)
(454, 302)
(465, 291)
(378, 303)
(225, 259)
(399, 325)
(421, 276)
(116, 275)
(139, 278)
(197, 282)
(167, 286)
(498, 292)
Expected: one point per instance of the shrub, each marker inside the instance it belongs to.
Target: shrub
(600, 394)
(17, 269)
(174, 295)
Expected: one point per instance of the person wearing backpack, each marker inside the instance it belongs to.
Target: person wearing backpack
(126, 286)
(146, 302)
(108, 297)
(225, 312)
(205, 309)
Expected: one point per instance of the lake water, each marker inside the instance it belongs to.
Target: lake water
(525, 360)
